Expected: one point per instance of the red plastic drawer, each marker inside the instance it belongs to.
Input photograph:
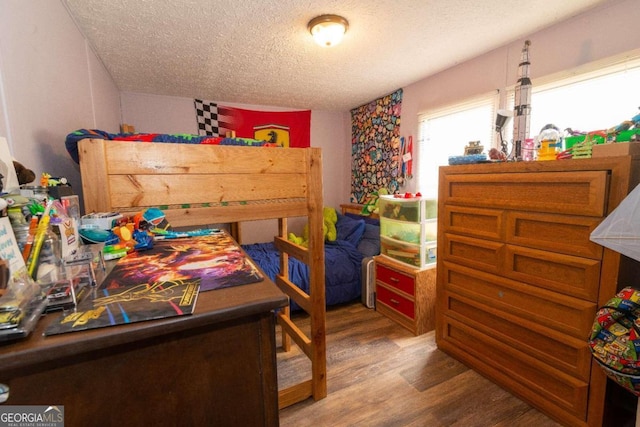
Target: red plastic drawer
(395, 279)
(395, 301)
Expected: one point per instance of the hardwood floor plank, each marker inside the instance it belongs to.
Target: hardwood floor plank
(431, 368)
(379, 374)
(468, 399)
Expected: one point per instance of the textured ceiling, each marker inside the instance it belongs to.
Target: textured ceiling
(260, 52)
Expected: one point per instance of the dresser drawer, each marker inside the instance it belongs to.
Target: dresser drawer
(395, 279)
(558, 233)
(570, 275)
(573, 193)
(517, 371)
(477, 222)
(395, 301)
(481, 254)
(571, 355)
(568, 315)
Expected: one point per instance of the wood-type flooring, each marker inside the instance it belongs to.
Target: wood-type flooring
(379, 374)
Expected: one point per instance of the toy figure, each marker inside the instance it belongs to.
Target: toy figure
(522, 109)
(474, 147)
(495, 154)
(371, 205)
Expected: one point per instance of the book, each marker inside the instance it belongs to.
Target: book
(130, 304)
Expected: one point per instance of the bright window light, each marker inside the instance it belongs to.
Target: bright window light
(597, 103)
(600, 99)
(447, 132)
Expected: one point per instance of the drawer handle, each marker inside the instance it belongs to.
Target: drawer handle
(394, 279)
(395, 301)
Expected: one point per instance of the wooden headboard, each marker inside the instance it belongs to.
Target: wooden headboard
(356, 209)
(198, 184)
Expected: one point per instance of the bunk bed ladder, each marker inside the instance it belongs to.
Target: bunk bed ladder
(313, 303)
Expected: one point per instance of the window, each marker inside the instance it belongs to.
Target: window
(589, 102)
(586, 102)
(446, 132)
(598, 99)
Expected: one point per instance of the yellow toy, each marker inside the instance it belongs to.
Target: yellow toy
(330, 217)
(46, 180)
(371, 205)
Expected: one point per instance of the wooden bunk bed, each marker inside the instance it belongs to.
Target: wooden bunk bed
(197, 185)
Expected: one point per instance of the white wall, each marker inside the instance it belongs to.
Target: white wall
(51, 84)
(607, 32)
(330, 130)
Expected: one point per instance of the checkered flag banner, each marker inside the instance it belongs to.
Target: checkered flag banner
(212, 120)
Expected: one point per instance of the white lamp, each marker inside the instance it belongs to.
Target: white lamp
(328, 30)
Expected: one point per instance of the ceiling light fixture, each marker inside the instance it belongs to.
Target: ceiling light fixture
(328, 30)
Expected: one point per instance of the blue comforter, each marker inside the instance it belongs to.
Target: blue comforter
(342, 269)
(71, 142)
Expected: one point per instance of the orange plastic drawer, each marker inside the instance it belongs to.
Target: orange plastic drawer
(395, 279)
(395, 301)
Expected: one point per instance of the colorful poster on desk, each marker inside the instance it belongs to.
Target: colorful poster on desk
(130, 304)
(216, 259)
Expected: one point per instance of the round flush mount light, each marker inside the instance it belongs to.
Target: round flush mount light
(328, 30)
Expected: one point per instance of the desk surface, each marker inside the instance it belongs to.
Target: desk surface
(216, 366)
(212, 307)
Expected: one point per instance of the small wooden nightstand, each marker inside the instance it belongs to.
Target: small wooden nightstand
(405, 294)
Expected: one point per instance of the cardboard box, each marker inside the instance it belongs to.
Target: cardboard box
(616, 149)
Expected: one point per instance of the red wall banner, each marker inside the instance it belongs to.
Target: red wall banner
(283, 128)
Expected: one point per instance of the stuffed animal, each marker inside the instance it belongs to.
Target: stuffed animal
(330, 218)
(330, 233)
(25, 175)
(371, 204)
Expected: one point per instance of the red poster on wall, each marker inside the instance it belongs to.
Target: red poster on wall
(283, 128)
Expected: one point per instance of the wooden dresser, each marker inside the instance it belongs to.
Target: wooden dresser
(406, 294)
(519, 281)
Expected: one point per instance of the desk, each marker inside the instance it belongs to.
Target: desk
(214, 367)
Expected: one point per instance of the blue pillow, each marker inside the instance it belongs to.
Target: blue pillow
(350, 229)
(370, 243)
